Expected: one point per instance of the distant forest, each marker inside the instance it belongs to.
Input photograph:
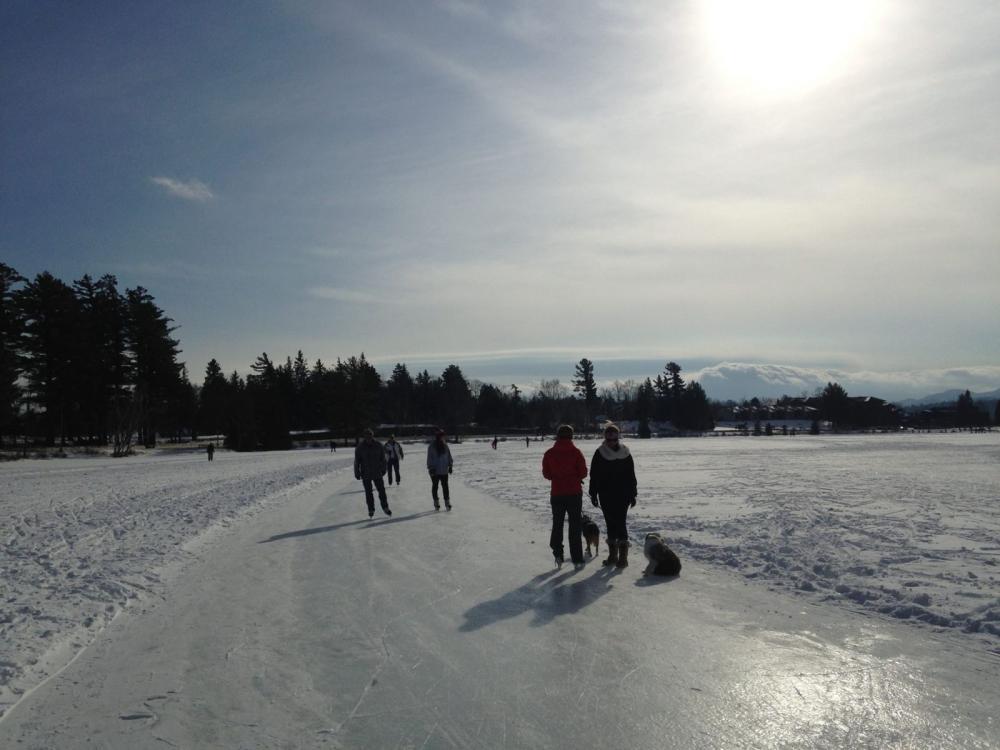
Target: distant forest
(86, 364)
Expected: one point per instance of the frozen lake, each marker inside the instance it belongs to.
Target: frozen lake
(815, 568)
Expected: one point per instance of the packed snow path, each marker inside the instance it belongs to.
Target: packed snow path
(310, 626)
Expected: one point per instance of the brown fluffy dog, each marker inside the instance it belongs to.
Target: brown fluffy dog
(591, 534)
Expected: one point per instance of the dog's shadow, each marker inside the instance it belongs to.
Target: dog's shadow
(655, 580)
(547, 595)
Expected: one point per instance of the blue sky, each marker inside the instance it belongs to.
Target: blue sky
(811, 184)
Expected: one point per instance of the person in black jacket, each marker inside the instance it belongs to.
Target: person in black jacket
(613, 489)
(369, 467)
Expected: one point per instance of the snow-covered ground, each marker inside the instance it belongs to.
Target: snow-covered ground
(80, 538)
(904, 525)
(884, 535)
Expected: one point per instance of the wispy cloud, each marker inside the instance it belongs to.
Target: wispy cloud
(344, 295)
(192, 190)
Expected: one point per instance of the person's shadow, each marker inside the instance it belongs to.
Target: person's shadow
(360, 522)
(544, 594)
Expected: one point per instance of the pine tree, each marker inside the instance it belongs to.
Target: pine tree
(399, 395)
(456, 399)
(10, 365)
(585, 386)
(103, 371)
(835, 405)
(155, 369)
(49, 343)
(213, 400)
(361, 385)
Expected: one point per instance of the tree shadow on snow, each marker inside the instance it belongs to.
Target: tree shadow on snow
(360, 522)
(545, 595)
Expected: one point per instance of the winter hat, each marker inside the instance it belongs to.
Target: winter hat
(611, 427)
(564, 431)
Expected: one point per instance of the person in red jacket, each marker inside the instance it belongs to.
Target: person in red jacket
(566, 468)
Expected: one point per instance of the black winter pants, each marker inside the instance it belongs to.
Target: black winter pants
(443, 480)
(615, 509)
(562, 506)
(392, 463)
(370, 495)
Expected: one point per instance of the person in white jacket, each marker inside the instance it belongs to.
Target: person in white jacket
(393, 455)
(439, 466)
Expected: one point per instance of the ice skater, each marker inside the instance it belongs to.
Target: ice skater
(393, 455)
(566, 468)
(369, 467)
(439, 466)
(613, 489)
(210, 450)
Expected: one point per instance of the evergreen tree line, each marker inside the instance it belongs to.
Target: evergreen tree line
(88, 364)
(261, 410)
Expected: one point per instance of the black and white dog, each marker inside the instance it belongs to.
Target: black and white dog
(591, 534)
(662, 560)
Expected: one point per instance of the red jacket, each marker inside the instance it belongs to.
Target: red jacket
(565, 466)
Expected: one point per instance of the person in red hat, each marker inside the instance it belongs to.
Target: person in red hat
(566, 468)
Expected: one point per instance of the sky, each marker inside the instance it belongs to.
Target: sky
(512, 186)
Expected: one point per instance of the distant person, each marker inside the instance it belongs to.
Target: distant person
(439, 466)
(566, 468)
(527, 441)
(210, 450)
(333, 446)
(369, 467)
(393, 455)
(494, 442)
(613, 489)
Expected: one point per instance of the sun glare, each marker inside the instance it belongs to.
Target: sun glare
(784, 46)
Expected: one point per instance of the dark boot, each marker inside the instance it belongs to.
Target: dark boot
(612, 553)
(623, 553)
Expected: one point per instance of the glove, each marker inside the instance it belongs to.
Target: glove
(449, 470)
(632, 504)
(594, 501)
(431, 473)
(357, 476)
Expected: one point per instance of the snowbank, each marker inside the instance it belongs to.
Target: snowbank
(906, 526)
(81, 538)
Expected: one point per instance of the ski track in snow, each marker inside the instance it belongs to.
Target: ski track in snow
(902, 526)
(905, 526)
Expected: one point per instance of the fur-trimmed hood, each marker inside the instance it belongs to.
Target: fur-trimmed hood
(613, 455)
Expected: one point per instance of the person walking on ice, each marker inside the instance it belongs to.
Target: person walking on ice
(210, 450)
(439, 466)
(613, 489)
(566, 468)
(369, 467)
(393, 455)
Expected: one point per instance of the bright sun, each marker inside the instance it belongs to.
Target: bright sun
(784, 46)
